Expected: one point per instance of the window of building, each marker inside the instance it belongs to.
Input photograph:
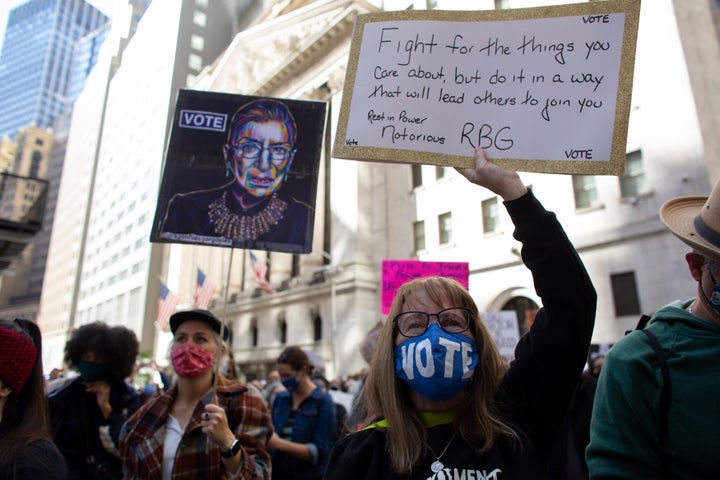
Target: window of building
(419, 235)
(585, 191)
(295, 267)
(120, 306)
(197, 42)
(35, 161)
(108, 310)
(134, 304)
(525, 309)
(633, 183)
(416, 175)
(194, 61)
(439, 172)
(199, 18)
(282, 330)
(625, 294)
(316, 324)
(490, 215)
(445, 228)
(254, 332)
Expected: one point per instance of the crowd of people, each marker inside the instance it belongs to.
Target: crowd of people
(437, 401)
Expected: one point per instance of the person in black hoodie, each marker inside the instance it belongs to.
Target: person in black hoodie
(88, 411)
(440, 402)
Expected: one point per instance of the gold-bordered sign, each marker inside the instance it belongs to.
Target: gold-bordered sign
(543, 89)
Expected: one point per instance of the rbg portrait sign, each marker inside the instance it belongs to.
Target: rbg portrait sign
(540, 89)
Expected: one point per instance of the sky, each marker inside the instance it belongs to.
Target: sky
(104, 6)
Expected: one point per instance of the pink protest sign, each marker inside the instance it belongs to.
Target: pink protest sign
(397, 272)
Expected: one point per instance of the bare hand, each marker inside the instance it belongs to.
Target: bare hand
(505, 183)
(101, 389)
(215, 425)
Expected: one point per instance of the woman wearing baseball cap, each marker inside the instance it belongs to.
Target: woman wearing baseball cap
(26, 450)
(194, 430)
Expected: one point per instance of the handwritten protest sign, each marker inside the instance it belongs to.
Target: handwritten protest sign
(540, 89)
(503, 327)
(397, 272)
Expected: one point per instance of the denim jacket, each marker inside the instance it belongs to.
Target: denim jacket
(314, 427)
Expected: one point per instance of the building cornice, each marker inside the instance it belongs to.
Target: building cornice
(270, 58)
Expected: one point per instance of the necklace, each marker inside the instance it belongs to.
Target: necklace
(230, 225)
(437, 465)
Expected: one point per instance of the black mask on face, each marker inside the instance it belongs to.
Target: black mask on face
(714, 300)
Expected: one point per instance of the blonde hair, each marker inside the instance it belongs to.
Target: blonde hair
(385, 396)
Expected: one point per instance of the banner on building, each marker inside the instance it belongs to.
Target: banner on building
(241, 171)
(544, 89)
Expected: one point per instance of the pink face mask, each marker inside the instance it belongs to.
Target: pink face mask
(189, 360)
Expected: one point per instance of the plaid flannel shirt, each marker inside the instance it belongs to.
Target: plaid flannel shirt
(142, 437)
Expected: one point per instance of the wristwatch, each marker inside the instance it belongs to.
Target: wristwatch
(234, 449)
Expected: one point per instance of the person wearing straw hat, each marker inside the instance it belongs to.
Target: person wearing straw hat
(205, 426)
(631, 434)
(26, 449)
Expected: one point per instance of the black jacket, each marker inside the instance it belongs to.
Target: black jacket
(75, 420)
(536, 390)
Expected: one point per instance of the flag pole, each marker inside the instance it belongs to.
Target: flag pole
(216, 372)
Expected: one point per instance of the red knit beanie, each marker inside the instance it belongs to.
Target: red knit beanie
(17, 357)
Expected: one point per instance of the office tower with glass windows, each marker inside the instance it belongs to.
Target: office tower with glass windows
(36, 63)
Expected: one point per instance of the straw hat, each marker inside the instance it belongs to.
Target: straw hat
(695, 221)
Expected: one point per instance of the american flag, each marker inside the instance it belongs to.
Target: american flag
(261, 274)
(167, 301)
(204, 290)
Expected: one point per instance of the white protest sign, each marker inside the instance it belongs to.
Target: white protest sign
(540, 89)
(503, 327)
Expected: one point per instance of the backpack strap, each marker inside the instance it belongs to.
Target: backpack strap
(642, 323)
(666, 394)
(661, 357)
